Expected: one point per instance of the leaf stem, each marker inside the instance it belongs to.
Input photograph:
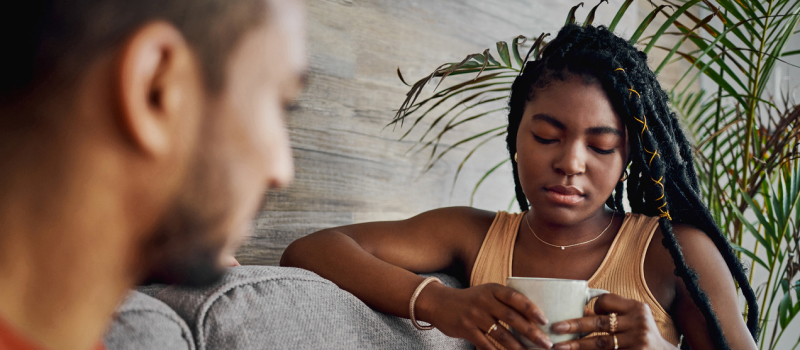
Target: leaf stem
(751, 112)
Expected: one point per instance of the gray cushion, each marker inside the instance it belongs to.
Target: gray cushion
(264, 307)
(145, 323)
(151, 289)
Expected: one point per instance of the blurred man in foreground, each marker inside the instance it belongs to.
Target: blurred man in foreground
(137, 139)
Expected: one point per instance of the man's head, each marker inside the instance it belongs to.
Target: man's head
(171, 110)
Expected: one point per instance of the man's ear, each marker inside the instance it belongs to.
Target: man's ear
(158, 85)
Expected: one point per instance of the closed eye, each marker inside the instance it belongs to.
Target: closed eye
(291, 107)
(602, 151)
(543, 140)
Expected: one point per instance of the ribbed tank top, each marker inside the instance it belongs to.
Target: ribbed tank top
(621, 272)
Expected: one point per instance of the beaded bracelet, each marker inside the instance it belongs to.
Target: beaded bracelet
(414, 300)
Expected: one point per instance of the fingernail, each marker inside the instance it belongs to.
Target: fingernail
(561, 347)
(560, 327)
(541, 318)
(547, 344)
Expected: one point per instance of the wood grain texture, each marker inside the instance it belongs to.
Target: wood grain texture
(348, 167)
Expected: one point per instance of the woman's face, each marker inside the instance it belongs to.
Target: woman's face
(571, 148)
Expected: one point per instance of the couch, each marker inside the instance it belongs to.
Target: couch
(264, 307)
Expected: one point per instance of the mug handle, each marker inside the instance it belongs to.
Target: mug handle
(594, 293)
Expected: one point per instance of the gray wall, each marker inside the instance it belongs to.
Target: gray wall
(349, 169)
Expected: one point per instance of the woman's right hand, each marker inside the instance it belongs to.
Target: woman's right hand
(469, 313)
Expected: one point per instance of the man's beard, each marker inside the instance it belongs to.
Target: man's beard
(194, 269)
(186, 246)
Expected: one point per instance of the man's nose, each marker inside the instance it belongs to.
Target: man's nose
(281, 170)
(280, 164)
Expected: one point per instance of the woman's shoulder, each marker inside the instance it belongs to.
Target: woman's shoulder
(693, 243)
(698, 250)
(465, 225)
(693, 238)
(461, 218)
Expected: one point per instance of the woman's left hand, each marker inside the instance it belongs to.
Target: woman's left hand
(635, 327)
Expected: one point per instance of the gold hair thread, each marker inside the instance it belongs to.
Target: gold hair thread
(664, 213)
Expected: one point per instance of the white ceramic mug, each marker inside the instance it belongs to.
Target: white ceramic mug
(559, 299)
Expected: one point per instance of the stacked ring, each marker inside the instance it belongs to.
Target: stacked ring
(494, 326)
(612, 320)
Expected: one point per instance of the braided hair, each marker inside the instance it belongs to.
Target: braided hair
(663, 180)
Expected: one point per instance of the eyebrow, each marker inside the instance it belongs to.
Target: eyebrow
(597, 130)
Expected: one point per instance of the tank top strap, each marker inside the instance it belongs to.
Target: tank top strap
(626, 256)
(493, 264)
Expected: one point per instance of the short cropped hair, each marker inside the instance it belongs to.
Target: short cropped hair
(48, 44)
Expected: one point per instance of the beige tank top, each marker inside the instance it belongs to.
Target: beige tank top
(621, 272)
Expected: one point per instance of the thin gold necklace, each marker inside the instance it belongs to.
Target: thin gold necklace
(571, 245)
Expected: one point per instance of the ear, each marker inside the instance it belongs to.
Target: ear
(158, 81)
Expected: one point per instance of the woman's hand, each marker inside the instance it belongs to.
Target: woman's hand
(470, 313)
(635, 328)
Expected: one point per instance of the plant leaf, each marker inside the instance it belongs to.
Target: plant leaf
(716, 11)
(515, 48)
(751, 228)
(620, 13)
(502, 50)
(485, 175)
(571, 16)
(480, 91)
(469, 155)
(453, 146)
(485, 57)
(646, 23)
(670, 21)
(535, 49)
(453, 68)
(400, 75)
(590, 17)
(790, 53)
(749, 254)
(784, 308)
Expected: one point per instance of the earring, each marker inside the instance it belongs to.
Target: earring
(515, 157)
(624, 175)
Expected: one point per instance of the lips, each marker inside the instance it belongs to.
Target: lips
(564, 195)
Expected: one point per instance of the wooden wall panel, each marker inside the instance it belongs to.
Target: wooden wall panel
(348, 168)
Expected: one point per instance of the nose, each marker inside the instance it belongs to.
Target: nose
(572, 161)
(282, 169)
(279, 165)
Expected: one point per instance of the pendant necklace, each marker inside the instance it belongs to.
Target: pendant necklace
(571, 245)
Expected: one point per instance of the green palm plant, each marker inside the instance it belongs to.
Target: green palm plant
(746, 140)
(779, 234)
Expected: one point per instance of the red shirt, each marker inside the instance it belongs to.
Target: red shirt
(12, 340)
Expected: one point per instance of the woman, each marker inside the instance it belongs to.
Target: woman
(578, 117)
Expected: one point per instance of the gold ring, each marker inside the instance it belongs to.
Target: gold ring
(612, 320)
(616, 344)
(494, 326)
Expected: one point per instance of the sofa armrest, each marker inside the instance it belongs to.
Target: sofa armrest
(265, 307)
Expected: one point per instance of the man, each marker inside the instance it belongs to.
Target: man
(137, 139)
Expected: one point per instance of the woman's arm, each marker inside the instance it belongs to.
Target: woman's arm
(377, 262)
(715, 279)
